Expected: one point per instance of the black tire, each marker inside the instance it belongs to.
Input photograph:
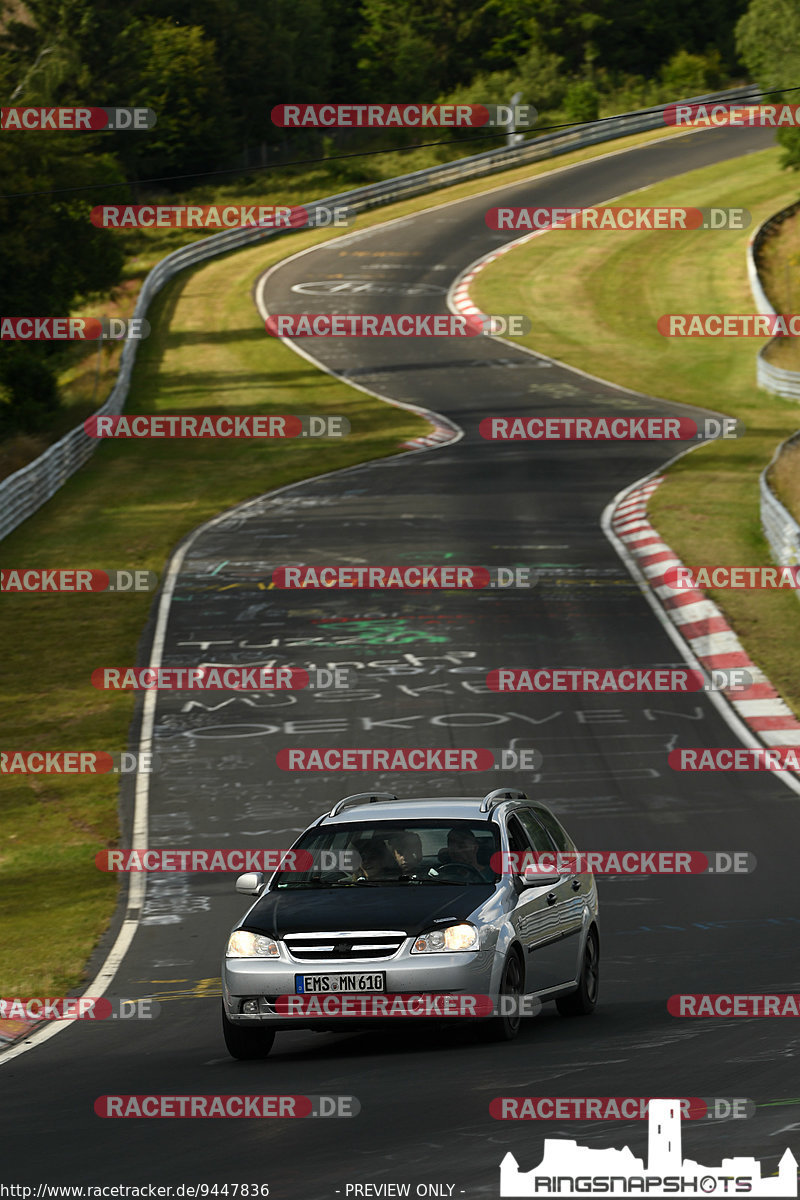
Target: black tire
(244, 1042)
(505, 1027)
(583, 1000)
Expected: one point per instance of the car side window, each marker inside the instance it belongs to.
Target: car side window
(536, 835)
(557, 832)
(517, 839)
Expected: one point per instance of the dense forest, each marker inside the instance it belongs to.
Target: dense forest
(213, 69)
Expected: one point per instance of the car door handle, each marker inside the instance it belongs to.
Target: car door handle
(551, 898)
(576, 885)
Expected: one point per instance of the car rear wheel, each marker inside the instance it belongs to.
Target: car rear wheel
(245, 1042)
(583, 1000)
(506, 1026)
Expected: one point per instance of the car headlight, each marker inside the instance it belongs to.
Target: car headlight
(453, 937)
(243, 944)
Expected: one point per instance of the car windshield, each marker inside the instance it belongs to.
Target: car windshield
(392, 853)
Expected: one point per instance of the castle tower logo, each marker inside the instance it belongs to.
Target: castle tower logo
(568, 1169)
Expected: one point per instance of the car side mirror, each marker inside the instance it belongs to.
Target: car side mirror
(530, 877)
(250, 884)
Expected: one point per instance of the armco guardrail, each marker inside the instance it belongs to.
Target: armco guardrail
(22, 493)
(780, 528)
(773, 379)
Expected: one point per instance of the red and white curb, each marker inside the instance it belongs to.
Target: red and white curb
(461, 301)
(440, 436)
(700, 622)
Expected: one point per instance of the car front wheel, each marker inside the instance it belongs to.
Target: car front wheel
(245, 1042)
(583, 1000)
(506, 1026)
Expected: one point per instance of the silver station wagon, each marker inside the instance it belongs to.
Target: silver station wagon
(412, 898)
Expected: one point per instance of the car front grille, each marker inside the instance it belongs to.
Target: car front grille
(351, 944)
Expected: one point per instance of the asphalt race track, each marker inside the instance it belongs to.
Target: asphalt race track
(421, 661)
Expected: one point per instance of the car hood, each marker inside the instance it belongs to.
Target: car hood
(404, 906)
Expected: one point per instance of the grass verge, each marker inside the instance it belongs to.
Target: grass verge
(594, 298)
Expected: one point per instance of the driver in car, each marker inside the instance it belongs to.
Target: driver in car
(462, 850)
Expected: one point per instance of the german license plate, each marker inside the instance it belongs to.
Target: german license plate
(374, 981)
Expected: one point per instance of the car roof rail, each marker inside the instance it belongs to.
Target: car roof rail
(499, 795)
(360, 798)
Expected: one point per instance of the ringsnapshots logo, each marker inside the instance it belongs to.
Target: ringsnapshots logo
(396, 325)
(618, 218)
(607, 429)
(86, 120)
(567, 1169)
(403, 116)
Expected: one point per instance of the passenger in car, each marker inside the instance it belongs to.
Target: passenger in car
(377, 861)
(406, 847)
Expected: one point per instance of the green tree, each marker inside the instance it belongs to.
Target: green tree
(173, 70)
(768, 40)
(582, 103)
